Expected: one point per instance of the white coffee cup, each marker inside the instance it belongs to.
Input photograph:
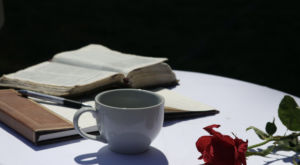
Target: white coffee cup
(127, 119)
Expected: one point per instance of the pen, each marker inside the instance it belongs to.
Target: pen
(55, 99)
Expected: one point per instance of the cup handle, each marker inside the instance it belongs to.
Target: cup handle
(80, 131)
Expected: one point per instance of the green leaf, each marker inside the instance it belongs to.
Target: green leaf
(271, 128)
(289, 113)
(262, 135)
(295, 161)
(288, 145)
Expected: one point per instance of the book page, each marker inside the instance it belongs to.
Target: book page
(161, 74)
(175, 102)
(87, 121)
(52, 77)
(102, 58)
(59, 74)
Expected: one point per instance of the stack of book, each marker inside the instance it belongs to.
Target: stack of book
(81, 72)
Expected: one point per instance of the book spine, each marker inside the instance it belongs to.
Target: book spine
(16, 125)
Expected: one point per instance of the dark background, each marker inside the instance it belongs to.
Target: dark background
(255, 41)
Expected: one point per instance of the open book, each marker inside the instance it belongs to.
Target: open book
(90, 68)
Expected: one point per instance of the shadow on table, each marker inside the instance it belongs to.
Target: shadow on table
(106, 157)
(38, 147)
(180, 117)
(286, 159)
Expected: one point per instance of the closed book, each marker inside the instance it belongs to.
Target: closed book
(29, 118)
(42, 122)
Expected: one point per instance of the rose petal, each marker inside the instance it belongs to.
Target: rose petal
(203, 145)
(220, 149)
(242, 148)
(224, 152)
(227, 139)
(203, 142)
(210, 129)
(241, 145)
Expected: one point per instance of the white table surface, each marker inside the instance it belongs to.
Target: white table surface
(241, 104)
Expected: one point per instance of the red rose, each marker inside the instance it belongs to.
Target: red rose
(221, 149)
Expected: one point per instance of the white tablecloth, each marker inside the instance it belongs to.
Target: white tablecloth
(241, 104)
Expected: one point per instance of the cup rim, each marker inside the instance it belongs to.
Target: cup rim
(162, 99)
